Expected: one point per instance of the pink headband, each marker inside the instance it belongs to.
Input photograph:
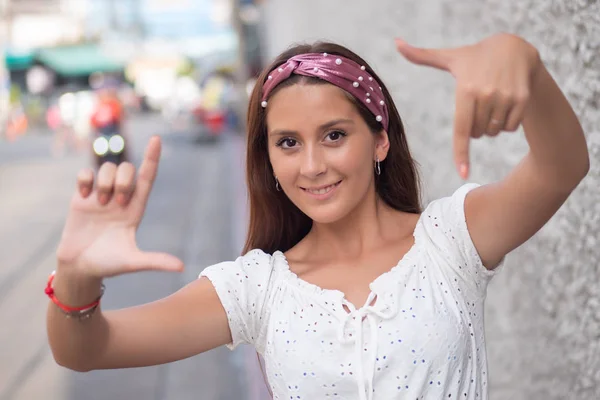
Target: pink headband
(337, 70)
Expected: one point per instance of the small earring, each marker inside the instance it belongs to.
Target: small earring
(378, 167)
(277, 185)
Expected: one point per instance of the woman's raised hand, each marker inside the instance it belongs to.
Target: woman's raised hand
(493, 85)
(99, 237)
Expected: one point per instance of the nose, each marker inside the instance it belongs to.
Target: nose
(313, 163)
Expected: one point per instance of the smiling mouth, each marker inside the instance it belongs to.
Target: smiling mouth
(323, 190)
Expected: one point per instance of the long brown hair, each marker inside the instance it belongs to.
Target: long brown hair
(275, 222)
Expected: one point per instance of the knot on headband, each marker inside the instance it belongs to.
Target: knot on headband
(337, 70)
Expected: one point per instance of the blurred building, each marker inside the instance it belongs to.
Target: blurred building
(27, 25)
(42, 23)
(33, 29)
(57, 45)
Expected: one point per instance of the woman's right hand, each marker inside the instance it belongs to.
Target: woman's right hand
(98, 239)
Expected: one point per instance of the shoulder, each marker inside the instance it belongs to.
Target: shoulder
(247, 277)
(242, 286)
(443, 220)
(452, 203)
(444, 231)
(448, 210)
(255, 262)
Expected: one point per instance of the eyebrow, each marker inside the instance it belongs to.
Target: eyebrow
(322, 127)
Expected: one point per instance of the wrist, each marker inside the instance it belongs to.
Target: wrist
(74, 288)
(542, 89)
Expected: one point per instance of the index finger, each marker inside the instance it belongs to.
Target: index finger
(463, 124)
(148, 170)
(436, 58)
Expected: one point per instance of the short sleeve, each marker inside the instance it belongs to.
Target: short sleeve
(446, 226)
(242, 289)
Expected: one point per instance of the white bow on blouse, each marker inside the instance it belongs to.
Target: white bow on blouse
(369, 313)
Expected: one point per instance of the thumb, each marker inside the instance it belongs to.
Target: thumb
(436, 58)
(145, 261)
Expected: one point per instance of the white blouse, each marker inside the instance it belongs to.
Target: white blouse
(422, 339)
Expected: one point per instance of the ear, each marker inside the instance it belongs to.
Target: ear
(382, 145)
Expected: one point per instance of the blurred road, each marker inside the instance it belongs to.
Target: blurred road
(194, 213)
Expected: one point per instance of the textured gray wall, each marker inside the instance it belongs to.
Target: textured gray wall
(543, 309)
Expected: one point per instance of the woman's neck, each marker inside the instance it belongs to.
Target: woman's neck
(368, 227)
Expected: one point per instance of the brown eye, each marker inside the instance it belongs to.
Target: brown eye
(335, 136)
(286, 143)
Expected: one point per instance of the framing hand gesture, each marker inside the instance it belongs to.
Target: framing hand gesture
(99, 235)
(493, 85)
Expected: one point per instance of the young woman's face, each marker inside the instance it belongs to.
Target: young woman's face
(321, 150)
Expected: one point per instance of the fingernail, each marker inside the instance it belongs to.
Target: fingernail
(464, 170)
(121, 198)
(103, 198)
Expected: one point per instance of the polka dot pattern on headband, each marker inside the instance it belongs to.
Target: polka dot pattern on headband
(336, 70)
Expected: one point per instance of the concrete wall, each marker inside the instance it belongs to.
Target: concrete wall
(543, 310)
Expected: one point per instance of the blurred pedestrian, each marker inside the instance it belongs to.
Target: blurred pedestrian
(109, 109)
(347, 287)
(17, 123)
(53, 119)
(61, 117)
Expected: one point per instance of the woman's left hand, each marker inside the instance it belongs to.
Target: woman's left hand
(493, 86)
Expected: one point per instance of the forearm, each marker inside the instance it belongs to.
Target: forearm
(555, 137)
(75, 343)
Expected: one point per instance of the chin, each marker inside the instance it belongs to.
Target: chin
(325, 214)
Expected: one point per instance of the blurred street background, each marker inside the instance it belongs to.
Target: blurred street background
(183, 69)
(180, 69)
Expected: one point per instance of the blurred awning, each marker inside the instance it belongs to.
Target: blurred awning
(78, 60)
(18, 60)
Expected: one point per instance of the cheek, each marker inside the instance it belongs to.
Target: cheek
(282, 164)
(352, 160)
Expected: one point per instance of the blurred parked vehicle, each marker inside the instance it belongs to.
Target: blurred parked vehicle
(199, 110)
(215, 113)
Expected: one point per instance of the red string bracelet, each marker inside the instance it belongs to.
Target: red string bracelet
(77, 311)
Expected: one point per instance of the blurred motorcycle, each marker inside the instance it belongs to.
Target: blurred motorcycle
(109, 146)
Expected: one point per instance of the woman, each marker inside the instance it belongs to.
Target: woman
(346, 287)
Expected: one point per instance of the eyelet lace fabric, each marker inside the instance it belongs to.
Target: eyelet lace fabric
(419, 335)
